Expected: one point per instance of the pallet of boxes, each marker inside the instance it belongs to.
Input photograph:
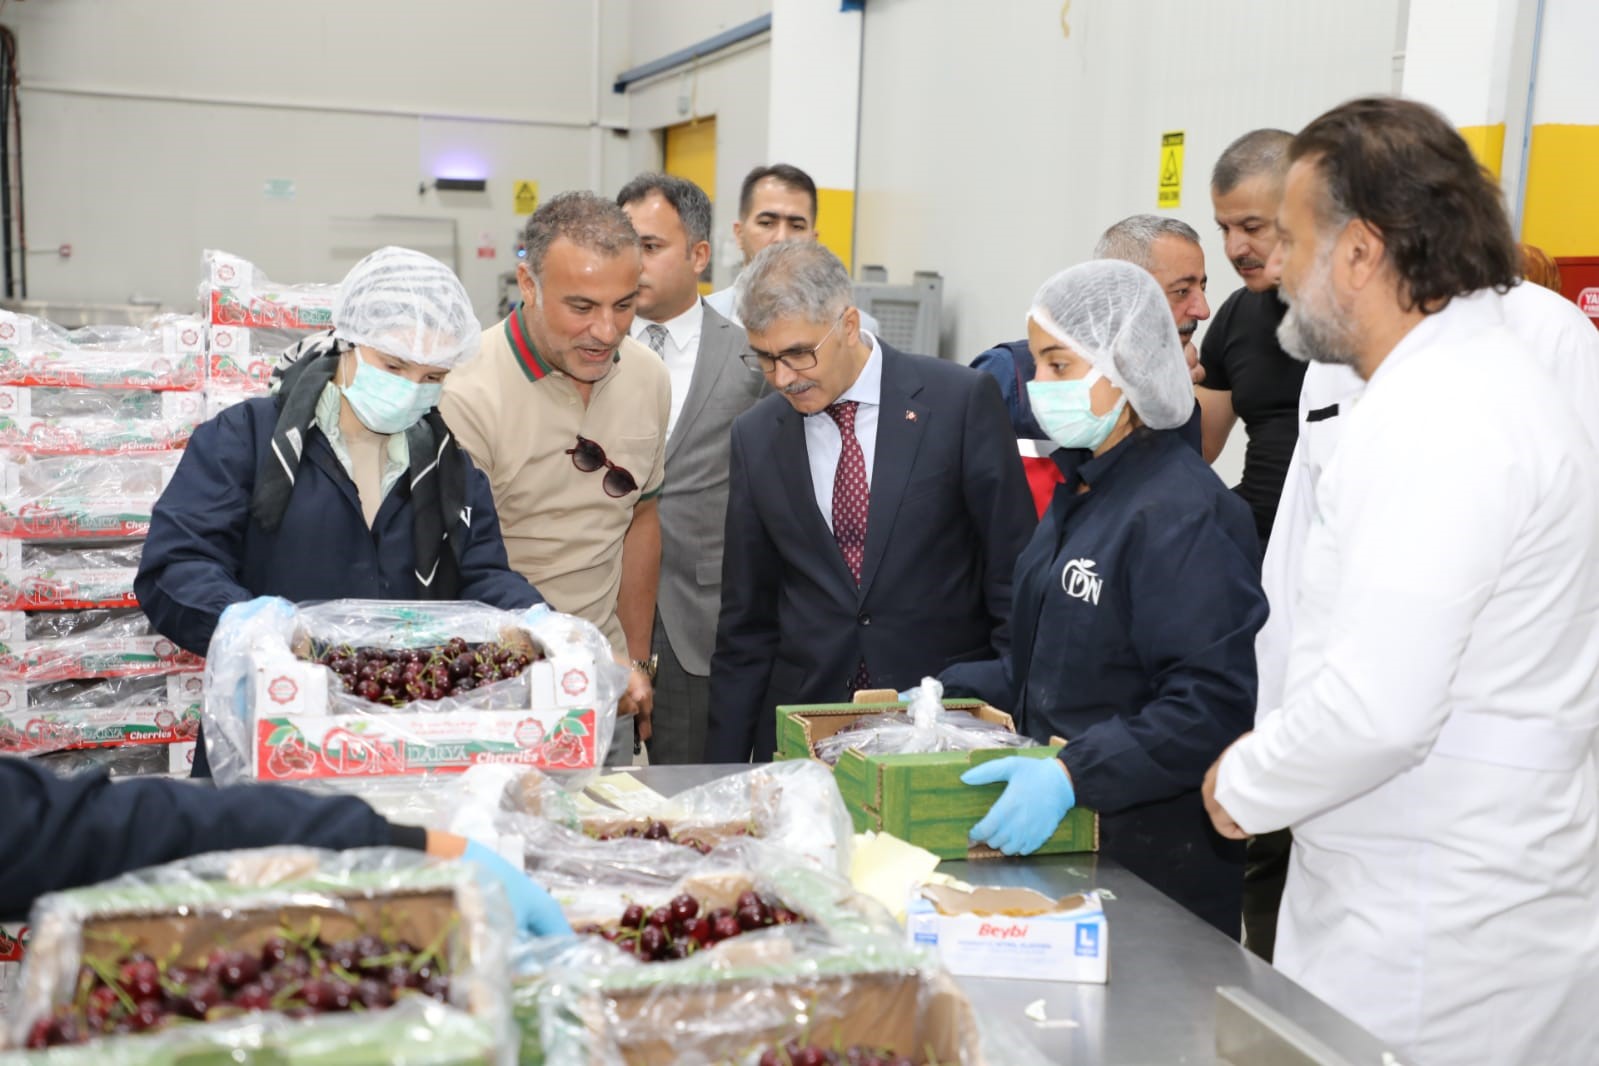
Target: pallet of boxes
(251, 321)
(92, 425)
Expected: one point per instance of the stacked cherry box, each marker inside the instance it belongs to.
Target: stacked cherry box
(252, 320)
(92, 423)
(13, 945)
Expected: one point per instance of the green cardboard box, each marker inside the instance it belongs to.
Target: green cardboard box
(920, 798)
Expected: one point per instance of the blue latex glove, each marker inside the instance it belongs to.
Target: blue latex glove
(1037, 797)
(534, 613)
(537, 914)
(235, 613)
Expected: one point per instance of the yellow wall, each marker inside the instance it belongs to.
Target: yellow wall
(835, 223)
(1561, 215)
(1487, 144)
(1560, 206)
(691, 153)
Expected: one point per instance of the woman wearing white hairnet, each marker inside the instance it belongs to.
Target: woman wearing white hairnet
(1134, 607)
(346, 483)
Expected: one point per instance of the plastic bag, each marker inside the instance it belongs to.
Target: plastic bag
(72, 497)
(794, 806)
(165, 354)
(926, 726)
(238, 293)
(66, 715)
(40, 575)
(50, 421)
(140, 760)
(242, 359)
(595, 886)
(438, 917)
(272, 713)
(13, 947)
(829, 987)
(57, 645)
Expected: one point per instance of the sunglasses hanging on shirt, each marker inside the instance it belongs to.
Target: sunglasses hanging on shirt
(588, 457)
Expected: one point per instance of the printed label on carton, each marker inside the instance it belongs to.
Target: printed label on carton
(297, 738)
(1041, 939)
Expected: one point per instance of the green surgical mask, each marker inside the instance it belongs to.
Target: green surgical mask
(385, 402)
(1065, 410)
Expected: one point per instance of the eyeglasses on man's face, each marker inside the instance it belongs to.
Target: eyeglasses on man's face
(794, 358)
(588, 457)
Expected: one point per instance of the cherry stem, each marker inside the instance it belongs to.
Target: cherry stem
(437, 944)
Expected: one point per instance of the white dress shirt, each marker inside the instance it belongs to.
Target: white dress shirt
(682, 348)
(824, 443)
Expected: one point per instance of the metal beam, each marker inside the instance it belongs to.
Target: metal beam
(742, 32)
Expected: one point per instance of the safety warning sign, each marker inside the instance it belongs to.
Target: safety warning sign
(526, 197)
(1171, 170)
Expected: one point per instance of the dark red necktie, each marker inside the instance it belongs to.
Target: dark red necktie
(852, 498)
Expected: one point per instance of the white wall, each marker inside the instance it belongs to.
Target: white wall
(731, 85)
(995, 150)
(151, 128)
(660, 27)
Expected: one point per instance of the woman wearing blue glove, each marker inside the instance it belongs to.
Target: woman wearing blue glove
(61, 833)
(1134, 607)
(345, 483)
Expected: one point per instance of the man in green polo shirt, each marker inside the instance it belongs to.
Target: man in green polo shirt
(567, 416)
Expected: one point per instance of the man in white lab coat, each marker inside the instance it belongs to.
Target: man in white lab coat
(1433, 748)
(1558, 335)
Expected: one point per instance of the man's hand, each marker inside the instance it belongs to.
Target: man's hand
(1218, 814)
(1195, 371)
(639, 697)
(642, 695)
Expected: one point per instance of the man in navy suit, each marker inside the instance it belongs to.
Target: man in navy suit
(876, 510)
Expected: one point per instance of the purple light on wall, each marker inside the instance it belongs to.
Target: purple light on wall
(459, 165)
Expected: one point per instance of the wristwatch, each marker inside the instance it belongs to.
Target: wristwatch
(648, 667)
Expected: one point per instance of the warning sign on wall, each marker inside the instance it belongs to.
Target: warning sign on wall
(1170, 192)
(525, 194)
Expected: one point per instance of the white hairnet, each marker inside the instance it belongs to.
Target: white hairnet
(1114, 315)
(408, 305)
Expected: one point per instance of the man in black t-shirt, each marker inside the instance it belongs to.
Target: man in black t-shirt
(1247, 374)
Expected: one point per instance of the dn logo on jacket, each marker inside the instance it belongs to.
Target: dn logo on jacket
(1080, 582)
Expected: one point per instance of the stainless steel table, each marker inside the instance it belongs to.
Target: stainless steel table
(1165, 967)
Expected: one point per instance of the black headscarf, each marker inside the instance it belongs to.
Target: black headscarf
(438, 469)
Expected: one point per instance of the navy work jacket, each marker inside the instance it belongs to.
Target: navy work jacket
(1135, 609)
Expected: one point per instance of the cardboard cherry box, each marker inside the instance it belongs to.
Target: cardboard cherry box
(166, 355)
(302, 731)
(1012, 932)
(842, 977)
(920, 798)
(792, 805)
(92, 643)
(369, 688)
(35, 719)
(922, 1014)
(237, 902)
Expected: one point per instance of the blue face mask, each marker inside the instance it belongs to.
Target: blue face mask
(388, 403)
(1065, 411)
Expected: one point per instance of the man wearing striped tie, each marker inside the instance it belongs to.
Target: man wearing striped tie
(876, 510)
(710, 387)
